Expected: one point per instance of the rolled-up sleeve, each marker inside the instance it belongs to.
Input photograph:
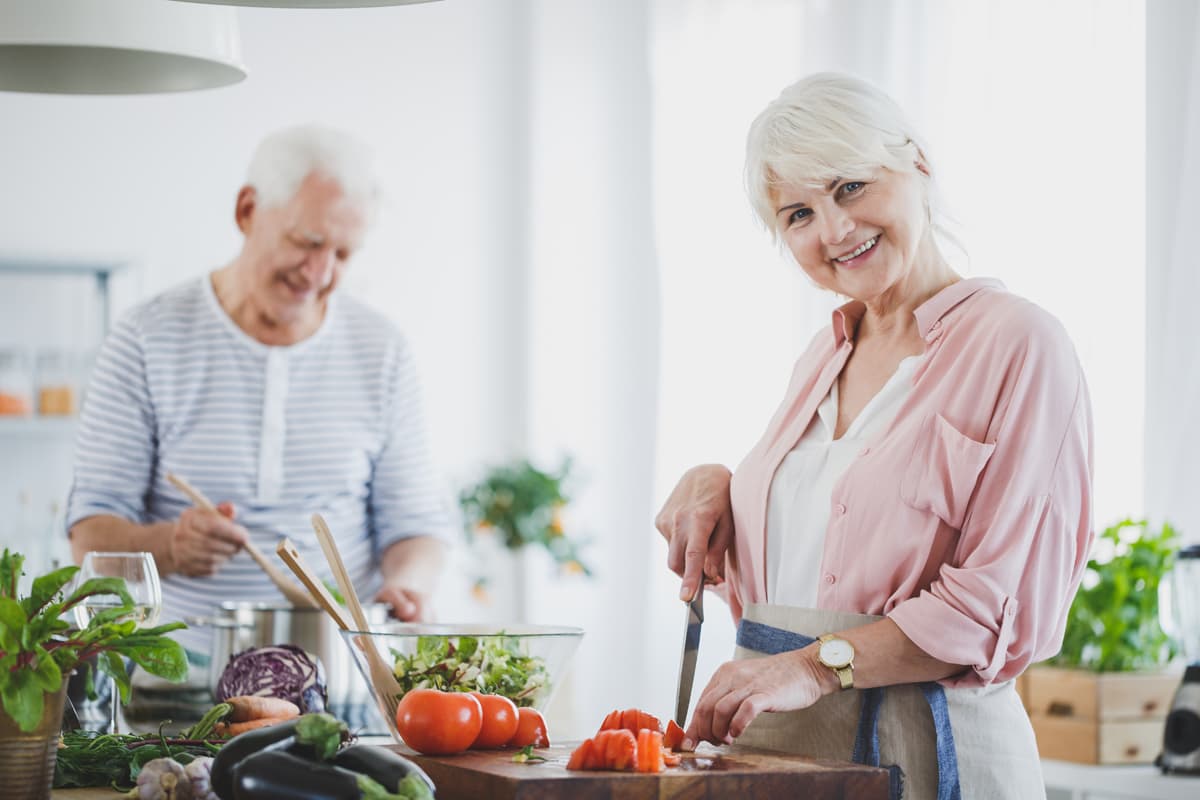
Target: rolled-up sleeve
(115, 447)
(407, 496)
(1000, 604)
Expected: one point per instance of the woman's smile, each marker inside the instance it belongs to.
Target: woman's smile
(855, 258)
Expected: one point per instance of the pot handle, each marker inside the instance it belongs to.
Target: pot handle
(214, 622)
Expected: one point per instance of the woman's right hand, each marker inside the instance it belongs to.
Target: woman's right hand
(203, 541)
(697, 522)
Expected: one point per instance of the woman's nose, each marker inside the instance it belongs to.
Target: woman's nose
(837, 225)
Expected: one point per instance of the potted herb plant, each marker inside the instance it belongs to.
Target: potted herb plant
(39, 650)
(1105, 696)
(523, 506)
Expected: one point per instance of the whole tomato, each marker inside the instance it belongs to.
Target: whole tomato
(531, 730)
(499, 721)
(438, 723)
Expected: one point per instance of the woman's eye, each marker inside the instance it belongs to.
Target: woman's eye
(852, 187)
(799, 215)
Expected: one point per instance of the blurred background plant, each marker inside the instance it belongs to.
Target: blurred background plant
(522, 505)
(1113, 624)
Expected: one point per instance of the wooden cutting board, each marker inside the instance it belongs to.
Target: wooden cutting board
(725, 772)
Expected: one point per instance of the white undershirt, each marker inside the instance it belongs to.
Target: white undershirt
(798, 506)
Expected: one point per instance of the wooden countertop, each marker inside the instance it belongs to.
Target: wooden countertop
(710, 773)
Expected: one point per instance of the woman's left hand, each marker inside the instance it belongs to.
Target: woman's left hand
(741, 690)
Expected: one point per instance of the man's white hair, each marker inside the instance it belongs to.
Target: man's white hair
(285, 158)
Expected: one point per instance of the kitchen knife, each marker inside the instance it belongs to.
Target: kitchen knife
(694, 618)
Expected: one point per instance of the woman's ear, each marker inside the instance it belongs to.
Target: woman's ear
(243, 210)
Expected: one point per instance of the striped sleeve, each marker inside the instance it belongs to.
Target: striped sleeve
(406, 496)
(114, 450)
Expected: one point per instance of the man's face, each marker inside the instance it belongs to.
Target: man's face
(299, 250)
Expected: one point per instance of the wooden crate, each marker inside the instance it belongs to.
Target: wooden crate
(1098, 718)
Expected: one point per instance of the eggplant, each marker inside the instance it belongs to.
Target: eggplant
(274, 775)
(382, 765)
(273, 737)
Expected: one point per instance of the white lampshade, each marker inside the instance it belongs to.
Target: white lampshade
(116, 46)
(310, 3)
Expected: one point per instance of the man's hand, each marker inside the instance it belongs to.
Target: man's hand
(202, 541)
(410, 570)
(408, 605)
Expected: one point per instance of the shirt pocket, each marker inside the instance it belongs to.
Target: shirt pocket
(944, 469)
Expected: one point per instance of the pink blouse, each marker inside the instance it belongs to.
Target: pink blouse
(967, 521)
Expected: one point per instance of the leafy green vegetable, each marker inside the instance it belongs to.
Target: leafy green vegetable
(322, 732)
(1113, 625)
(488, 664)
(411, 788)
(38, 647)
(88, 758)
(526, 756)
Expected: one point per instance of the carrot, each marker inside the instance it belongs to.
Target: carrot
(234, 728)
(252, 707)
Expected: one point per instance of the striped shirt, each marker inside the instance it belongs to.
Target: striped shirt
(332, 425)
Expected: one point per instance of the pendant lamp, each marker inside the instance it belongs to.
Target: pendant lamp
(310, 3)
(116, 46)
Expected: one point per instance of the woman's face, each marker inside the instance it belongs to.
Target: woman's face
(857, 235)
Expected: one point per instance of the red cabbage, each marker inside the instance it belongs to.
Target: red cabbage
(281, 670)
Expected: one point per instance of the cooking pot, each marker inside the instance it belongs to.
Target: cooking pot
(237, 626)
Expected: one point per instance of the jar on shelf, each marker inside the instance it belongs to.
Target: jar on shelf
(16, 383)
(57, 378)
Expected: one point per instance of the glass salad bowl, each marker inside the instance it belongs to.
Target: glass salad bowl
(525, 663)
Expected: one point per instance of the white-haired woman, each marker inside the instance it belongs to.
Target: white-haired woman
(907, 535)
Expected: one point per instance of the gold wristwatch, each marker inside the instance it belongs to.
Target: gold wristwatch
(837, 654)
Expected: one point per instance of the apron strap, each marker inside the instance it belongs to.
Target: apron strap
(770, 640)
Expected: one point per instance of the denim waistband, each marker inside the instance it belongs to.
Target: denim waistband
(770, 640)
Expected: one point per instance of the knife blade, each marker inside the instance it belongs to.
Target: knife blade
(693, 619)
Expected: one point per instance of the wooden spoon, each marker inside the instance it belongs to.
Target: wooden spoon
(294, 593)
(387, 688)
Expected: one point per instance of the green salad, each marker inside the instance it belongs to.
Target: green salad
(488, 664)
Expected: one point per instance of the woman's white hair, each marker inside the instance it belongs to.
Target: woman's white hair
(823, 127)
(285, 158)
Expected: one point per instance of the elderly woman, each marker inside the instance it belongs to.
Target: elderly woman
(906, 536)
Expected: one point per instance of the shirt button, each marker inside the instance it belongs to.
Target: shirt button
(865, 450)
(830, 579)
(839, 508)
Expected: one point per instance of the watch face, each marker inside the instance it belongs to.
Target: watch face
(837, 653)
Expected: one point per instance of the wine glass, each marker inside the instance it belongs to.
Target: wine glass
(140, 574)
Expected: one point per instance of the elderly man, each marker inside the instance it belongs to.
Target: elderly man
(274, 396)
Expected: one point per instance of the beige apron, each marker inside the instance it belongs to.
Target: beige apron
(997, 753)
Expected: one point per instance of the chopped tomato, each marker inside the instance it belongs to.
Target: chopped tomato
(581, 755)
(648, 721)
(671, 759)
(611, 722)
(649, 751)
(673, 736)
(620, 749)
